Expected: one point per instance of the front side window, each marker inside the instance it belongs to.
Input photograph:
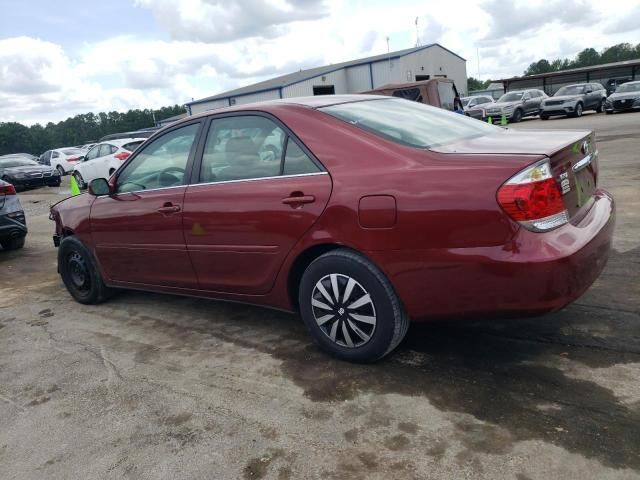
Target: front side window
(410, 123)
(161, 164)
(242, 147)
(92, 154)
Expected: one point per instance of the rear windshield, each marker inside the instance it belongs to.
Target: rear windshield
(410, 123)
(131, 146)
(72, 151)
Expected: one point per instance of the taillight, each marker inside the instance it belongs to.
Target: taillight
(7, 190)
(73, 159)
(122, 155)
(532, 198)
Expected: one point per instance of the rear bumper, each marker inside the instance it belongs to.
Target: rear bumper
(533, 274)
(12, 226)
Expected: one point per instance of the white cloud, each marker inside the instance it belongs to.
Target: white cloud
(209, 49)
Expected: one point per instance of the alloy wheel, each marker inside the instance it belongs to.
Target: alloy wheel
(343, 310)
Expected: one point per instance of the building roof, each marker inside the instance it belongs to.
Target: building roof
(172, 119)
(624, 63)
(302, 75)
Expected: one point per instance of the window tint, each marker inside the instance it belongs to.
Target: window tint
(409, 94)
(93, 153)
(296, 162)
(410, 123)
(242, 147)
(162, 163)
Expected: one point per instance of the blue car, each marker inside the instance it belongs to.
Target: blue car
(13, 225)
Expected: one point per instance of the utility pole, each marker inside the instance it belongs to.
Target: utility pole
(417, 34)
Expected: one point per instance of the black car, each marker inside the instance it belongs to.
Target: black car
(24, 173)
(625, 98)
(13, 227)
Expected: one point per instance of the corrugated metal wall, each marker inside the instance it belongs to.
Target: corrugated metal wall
(434, 61)
(358, 79)
(337, 79)
(256, 97)
(212, 105)
(387, 72)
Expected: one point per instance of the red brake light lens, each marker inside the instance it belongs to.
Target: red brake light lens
(73, 159)
(7, 189)
(533, 199)
(122, 155)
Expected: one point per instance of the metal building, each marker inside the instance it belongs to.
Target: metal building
(610, 75)
(413, 64)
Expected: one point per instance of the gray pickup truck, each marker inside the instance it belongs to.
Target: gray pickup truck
(572, 100)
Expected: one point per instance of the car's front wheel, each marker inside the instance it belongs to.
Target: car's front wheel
(350, 308)
(517, 116)
(79, 180)
(13, 243)
(578, 111)
(544, 116)
(80, 273)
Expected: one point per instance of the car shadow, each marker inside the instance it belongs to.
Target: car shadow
(516, 374)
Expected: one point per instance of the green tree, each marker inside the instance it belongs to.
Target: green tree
(77, 130)
(474, 84)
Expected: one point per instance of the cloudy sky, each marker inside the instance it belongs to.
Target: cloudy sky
(59, 58)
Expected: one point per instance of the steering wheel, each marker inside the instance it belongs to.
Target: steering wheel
(166, 179)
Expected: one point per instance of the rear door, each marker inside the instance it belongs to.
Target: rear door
(137, 231)
(88, 168)
(255, 198)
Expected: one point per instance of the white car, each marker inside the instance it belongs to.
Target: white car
(62, 159)
(103, 159)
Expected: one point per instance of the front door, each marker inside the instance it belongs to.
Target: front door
(260, 191)
(137, 231)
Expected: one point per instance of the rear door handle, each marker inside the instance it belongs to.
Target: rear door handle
(299, 199)
(169, 208)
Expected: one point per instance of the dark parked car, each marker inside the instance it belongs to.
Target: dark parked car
(572, 100)
(374, 211)
(24, 173)
(516, 105)
(625, 98)
(13, 227)
(19, 155)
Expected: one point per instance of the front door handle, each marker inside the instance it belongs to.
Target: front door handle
(294, 200)
(169, 208)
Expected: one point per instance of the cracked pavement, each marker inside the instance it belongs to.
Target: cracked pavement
(150, 386)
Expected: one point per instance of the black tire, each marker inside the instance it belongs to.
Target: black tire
(600, 106)
(391, 322)
(61, 170)
(79, 180)
(579, 110)
(80, 273)
(517, 115)
(544, 116)
(13, 243)
(608, 112)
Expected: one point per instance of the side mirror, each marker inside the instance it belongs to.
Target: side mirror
(98, 187)
(81, 158)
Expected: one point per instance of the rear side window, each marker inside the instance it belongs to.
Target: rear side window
(131, 146)
(410, 123)
(447, 95)
(105, 149)
(409, 94)
(296, 162)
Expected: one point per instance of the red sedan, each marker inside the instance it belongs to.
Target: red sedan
(359, 212)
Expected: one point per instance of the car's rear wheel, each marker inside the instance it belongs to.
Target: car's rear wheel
(608, 112)
(13, 243)
(517, 116)
(79, 180)
(350, 308)
(578, 111)
(544, 116)
(79, 272)
(60, 170)
(600, 106)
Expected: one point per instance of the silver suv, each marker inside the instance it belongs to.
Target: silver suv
(572, 100)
